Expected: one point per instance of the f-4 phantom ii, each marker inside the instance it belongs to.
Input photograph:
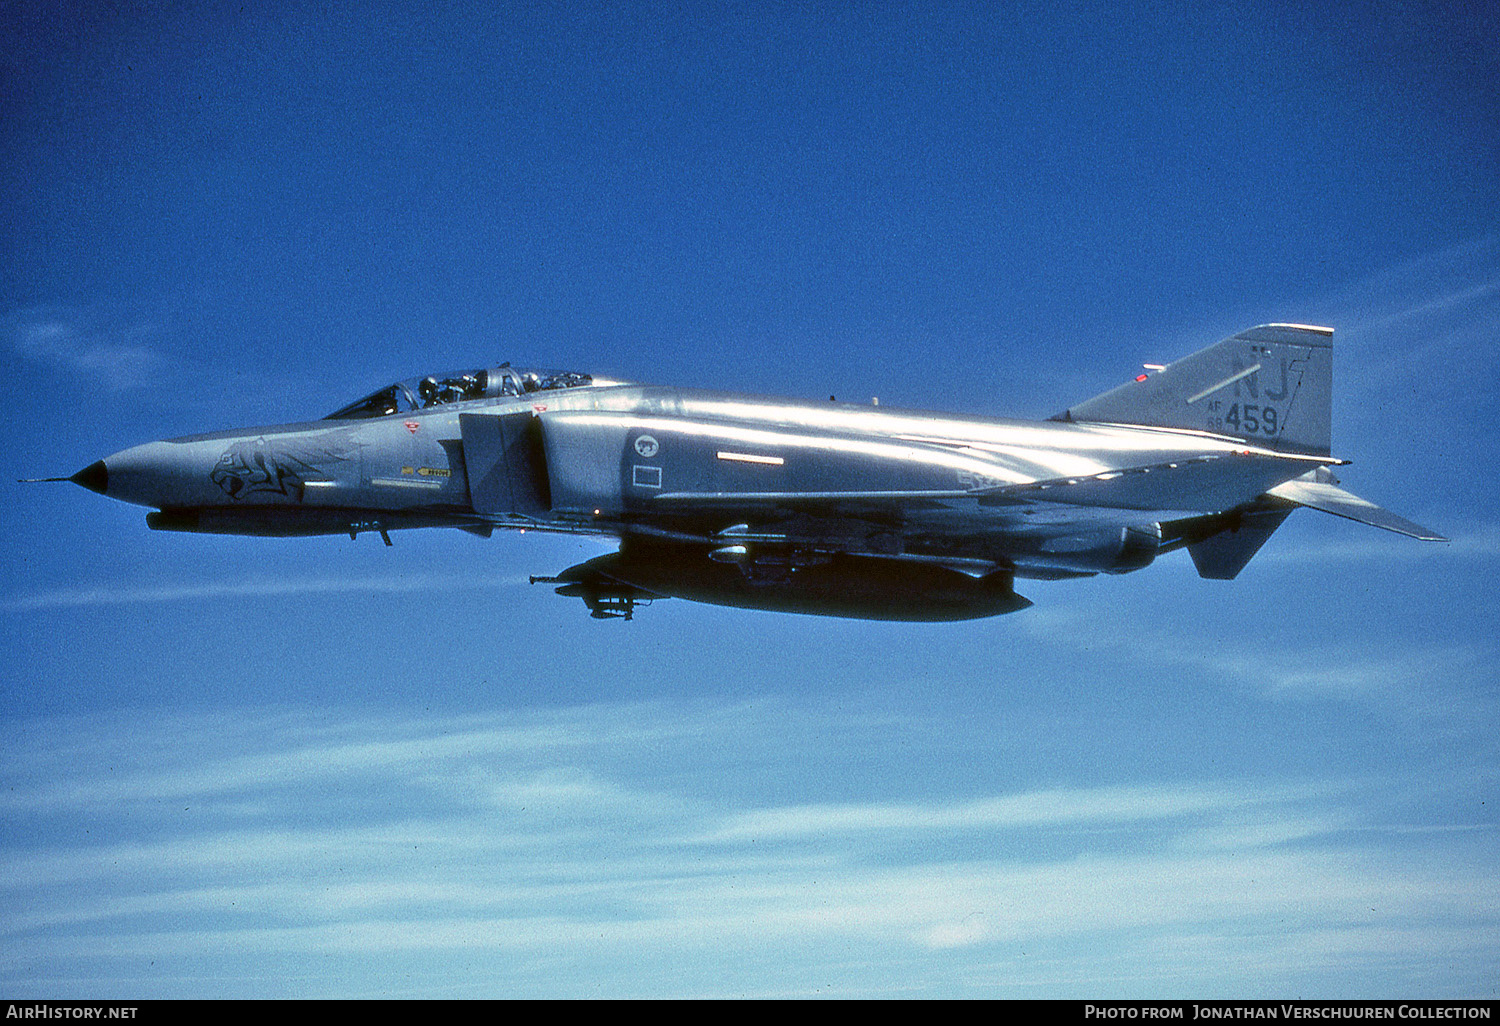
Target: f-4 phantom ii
(831, 508)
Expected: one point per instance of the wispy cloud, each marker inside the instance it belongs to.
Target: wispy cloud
(1426, 325)
(1437, 687)
(1038, 809)
(1337, 674)
(121, 595)
(100, 350)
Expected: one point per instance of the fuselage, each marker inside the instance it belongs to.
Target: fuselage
(817, 507)
(983, 482)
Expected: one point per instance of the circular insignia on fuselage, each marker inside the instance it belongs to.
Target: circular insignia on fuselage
(647, 446)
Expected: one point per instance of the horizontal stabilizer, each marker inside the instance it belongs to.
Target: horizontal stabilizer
(1332, 499)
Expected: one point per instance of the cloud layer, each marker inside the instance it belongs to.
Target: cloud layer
(385, 848)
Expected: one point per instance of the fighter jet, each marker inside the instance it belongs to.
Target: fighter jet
(838, 509)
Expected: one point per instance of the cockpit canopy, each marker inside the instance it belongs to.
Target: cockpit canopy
(462, 386)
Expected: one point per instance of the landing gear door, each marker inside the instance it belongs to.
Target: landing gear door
(506, 468)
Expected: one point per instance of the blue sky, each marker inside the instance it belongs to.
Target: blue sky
(317, 767)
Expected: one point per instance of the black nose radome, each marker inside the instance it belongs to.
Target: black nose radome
(94, 477)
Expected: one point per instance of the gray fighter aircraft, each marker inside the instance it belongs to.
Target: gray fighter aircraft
(832, 508)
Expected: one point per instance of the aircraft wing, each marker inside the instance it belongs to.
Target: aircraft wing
(1207, 483)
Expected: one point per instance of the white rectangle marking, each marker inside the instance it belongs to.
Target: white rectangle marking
(745, 457)
(391, 482)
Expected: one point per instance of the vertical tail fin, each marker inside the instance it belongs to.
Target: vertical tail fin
(1271, 385)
